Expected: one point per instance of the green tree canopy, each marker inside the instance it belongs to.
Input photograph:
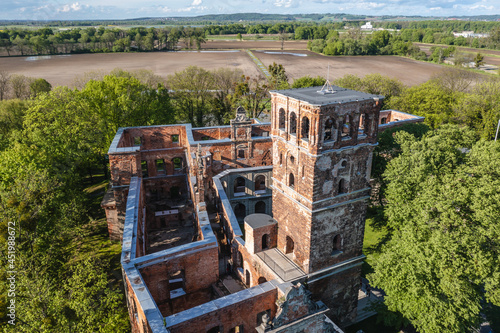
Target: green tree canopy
(443, 207)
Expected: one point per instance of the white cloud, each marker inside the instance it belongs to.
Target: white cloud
(71, 8)
(196, 2)
(283, 3)
(481, 7)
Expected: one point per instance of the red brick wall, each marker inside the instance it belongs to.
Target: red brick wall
(242, 313)
(201, 269)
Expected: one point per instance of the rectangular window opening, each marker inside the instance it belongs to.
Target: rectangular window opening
(144, 168)
(160, 167)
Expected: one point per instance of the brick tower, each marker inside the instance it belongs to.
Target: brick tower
(322, 145)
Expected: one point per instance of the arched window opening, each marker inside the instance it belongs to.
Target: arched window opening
(240, 259)
(362, 119)
(281, 119)
(346, 127)
(292, 159)
(293, 123)
(383, 121)
(177, 163)
(265, 242)
(247, 277)
(305, 128)
(329, 132)
(281, 158)
(343, 164)
(260, 183)
(240, 211)
(262, 280)
(239, 185)
(303, 171)
(289, 245)
(337, 244)
(342, 188)
(291, 180)
(260, 207)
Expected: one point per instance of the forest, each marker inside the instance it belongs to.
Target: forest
(437, 189)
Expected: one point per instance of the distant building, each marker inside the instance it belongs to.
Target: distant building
(367, 26)
(251, 227)
(469, 34)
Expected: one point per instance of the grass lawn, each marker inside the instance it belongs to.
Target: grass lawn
(370, 325)
(375, 237)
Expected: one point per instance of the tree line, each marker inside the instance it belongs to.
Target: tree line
(90, 40)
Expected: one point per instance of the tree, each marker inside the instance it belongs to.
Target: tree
(38, 86)
(455, 80)
(20, 86)
(279, 79)
(4, 84)
(240, 38)
(478, 60)
(225, 80)
(20, 43)
(428, 100)
(480, 109)
(443, 258)
(307, 81)
(253, 95)
(12, 113)
(191, 94)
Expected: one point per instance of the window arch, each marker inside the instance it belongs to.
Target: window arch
(265, 242)
(383, 121)
(291, 180)
(281, 158)
(260, 183)
(262, 280)
(290, 245)
(240, 211)
(293, 123)
(337, 244)
(178, 163)
(342, 187)
(281, 121)
(346, 127)
(260, 207)
(247, 277)
(239, 185)
(305, 128)
(329, 131)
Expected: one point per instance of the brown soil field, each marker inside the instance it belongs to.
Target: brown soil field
(257, 44)
(409, 71)
(63, 69)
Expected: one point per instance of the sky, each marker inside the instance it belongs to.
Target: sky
(124, 9)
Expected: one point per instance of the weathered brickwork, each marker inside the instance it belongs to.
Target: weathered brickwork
(167, 180)
(243, 314)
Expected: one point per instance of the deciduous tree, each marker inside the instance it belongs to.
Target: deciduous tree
(443, 205)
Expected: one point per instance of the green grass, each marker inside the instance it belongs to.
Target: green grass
(375, 236)
(370, 325)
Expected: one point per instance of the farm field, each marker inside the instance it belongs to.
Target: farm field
(409, 71)
(63, 69)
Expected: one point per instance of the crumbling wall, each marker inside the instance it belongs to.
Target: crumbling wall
(240, 309)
